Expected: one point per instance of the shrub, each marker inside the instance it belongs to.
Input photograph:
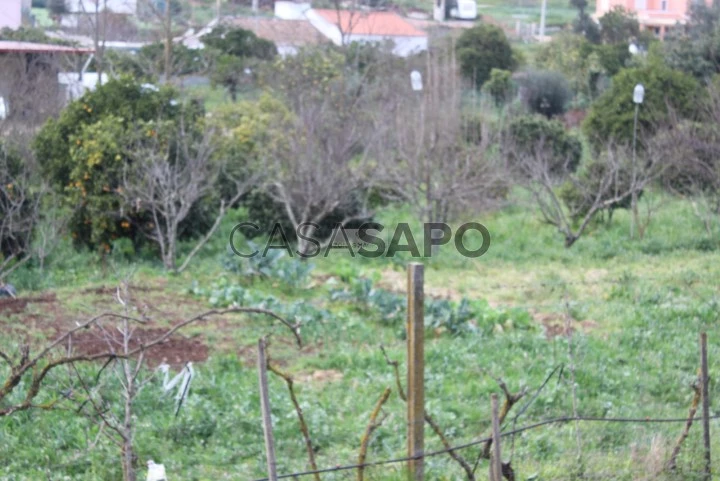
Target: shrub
(530, 132)
(546, 92)
(499, 85)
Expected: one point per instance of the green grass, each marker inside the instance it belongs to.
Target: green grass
(559, 12)
(636, 308)
(42, 17)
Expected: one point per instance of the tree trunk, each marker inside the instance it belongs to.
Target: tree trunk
(168, 41)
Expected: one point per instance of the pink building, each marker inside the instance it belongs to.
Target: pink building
(656, 15)
(11, 14)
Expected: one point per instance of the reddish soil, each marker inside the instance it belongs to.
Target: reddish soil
(176, 350)
(16, 306)
(45, 317)
(573, 118)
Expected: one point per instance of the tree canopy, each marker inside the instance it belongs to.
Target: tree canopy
(83, 153)
(611, 117)
(481, 49)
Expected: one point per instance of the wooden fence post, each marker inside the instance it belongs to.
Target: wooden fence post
(265, 406)
(705, 404)
(496, 456)
(416, 370)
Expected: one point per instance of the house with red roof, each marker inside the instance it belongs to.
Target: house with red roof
(346, 26)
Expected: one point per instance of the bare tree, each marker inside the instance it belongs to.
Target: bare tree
(604, 184)
(164, 17)
(20, 202)
(29, 88)
(168, 176)
(346, 19)
(695, 170)
(96, 17)
(320, 162)
(439, 164)
(25, 375)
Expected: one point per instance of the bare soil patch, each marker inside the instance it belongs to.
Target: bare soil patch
(555, 324)
(176, 350)
(396, 282)
(18, 305)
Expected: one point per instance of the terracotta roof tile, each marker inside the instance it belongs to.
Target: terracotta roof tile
(356, 22)
(280, 31)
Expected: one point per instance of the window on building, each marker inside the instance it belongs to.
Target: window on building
(663, 5)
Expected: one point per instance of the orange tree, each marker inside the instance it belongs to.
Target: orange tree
(83, 155)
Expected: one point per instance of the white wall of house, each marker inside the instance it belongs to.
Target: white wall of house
(128, 7)
(76, 84)
(11, 14)
(329, 30)
(291, 10)
(404, 46)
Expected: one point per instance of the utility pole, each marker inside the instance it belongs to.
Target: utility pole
(542, 18)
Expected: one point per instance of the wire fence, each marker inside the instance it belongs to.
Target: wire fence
(649, 452)
(482, 441)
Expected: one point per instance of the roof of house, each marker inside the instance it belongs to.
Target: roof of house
(7, 46)
(355, 22)
(280, 31)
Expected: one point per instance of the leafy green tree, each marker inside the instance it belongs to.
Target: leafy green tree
(239, 42)
(612, 57)
(236, 53)
(611, 117)
(546, 92)
(82, 155)
(232, 73)
(311, 71)
(583, 24)
(481, 49)
(499, 85)
(185, 60)
(576, 59)
(618, 26)
(694, 47)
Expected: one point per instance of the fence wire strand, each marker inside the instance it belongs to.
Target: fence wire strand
(529, 427)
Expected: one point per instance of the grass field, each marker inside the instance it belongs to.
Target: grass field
(633, 308)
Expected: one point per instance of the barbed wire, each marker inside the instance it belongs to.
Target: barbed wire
(559, 420)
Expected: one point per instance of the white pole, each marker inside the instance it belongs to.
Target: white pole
(542, 18)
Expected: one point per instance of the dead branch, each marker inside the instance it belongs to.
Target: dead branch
(446, 444)
(372, 425)
(510, 400)
(395, 365)
(430, 421)
(27, 365)
(671, 464)
(301, 419)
